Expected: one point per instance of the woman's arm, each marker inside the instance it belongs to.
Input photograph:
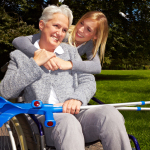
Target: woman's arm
(21, 72)
(25, 44)
(91, 65)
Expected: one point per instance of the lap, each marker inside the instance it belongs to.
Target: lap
(98, 119)
(89, 120)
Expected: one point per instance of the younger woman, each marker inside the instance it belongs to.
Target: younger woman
(87, 35)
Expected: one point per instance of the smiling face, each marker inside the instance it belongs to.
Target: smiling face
(85, 31)
(53, 31)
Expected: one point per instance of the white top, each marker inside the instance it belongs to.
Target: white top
(53, 98)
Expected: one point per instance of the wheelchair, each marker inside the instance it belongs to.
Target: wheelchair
(18, 134)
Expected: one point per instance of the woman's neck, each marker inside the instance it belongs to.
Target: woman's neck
(79, 43)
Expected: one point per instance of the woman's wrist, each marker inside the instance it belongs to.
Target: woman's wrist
(71, 64)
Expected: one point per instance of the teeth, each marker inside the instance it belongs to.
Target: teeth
(55, 38)
(79, 35)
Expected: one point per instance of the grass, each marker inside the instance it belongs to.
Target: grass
(118, 86)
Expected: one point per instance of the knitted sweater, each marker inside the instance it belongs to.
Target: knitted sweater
(24, 74)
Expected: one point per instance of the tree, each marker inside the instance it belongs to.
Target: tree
(9, 29)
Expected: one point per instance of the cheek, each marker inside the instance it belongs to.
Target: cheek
(78, 27)
(88, 35)
(63, 35)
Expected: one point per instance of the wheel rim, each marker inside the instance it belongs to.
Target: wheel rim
(5, 138)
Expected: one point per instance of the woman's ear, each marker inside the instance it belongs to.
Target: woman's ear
(41, 25)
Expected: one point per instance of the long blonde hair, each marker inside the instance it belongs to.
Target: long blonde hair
(101, 32)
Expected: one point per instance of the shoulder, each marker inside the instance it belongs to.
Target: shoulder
(16, 52)
(88, 46)
(18, 55)
(34, 37)
(89, 43)
(71, 50)
(67, 47)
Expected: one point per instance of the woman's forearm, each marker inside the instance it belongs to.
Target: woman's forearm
(25, 44)
(89, 66)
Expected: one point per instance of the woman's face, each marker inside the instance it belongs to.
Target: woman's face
(85, 31)
(53, 32)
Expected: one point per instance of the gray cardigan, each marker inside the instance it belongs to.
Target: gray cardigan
(24, 74)
(25, 44)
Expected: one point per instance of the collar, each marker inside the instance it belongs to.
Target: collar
(58, 50)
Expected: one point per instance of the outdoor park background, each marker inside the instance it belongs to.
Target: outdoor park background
(125, 76)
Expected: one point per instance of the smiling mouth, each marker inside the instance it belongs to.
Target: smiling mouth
(56, 39)
(79, 35)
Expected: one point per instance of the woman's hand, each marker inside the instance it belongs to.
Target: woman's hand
(58, 104)
(71, 106)
(62, 64)
(57, 63)
(41, 56)
(51, 65)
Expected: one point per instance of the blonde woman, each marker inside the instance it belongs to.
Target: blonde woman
(88, 35)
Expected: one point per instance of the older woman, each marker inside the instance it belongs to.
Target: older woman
(70, 88)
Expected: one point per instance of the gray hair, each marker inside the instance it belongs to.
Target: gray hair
(48, 12)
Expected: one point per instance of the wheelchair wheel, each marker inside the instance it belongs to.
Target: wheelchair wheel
(11, 136)
(31, 140)
(6, 138)
(18, 134)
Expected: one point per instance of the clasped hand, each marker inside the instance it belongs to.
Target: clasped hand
(50, 61)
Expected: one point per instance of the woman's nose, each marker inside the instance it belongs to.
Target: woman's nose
(81, 29)
(59, 32)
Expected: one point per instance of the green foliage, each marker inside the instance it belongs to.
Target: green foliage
(11, 28)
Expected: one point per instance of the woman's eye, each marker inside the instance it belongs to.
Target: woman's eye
(89, 30)
(64, 30)
(81, 23)
(56, 25)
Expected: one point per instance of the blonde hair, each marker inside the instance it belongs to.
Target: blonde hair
(101, 32)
